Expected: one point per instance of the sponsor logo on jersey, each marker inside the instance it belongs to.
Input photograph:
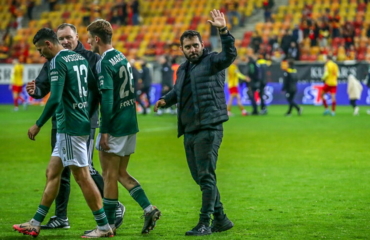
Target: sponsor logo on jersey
(127, 103)
(54, 73)
(54, 78)
(79, 105)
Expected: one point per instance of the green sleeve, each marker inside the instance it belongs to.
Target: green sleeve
(106, 108)
(57, 78)
(93, 97)
(106, 88)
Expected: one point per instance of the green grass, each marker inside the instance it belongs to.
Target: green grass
(280, 177)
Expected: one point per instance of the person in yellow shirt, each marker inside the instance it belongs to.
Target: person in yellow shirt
(16, 83)
(330, 78)
(233, 82)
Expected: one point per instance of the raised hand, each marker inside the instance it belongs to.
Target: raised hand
(218, 19)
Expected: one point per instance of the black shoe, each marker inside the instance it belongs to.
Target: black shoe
(56, 222)
(120, 213)
(150, 220)
(199, 230)
(221, 225)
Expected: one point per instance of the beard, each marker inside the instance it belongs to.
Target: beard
(194, 57)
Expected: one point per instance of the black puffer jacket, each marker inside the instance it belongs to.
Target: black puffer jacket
(43, 83)
(207, 85)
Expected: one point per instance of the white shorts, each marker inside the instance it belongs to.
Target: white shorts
(72, 150)
(121, 146)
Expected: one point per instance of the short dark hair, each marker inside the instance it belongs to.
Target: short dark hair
(45, 34)
(64, 25)
(190, 34)
(102, 29)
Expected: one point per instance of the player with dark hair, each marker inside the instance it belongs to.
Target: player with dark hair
(290, 87)
(68, 37)
(73, 95)
(118, 127)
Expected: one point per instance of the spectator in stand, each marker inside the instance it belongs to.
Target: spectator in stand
(293, 51)
(231, 9)
(286, 39)
(335, 24)
(368, 31)
(116, 18)
(305, 27)
(351, 53)
(124, 12)
(325, 18)
(135, 6)
(297, 34)
(307, 11)
(30, 6)
(273, 42)
(314, 34)
(278, 55)
(267, 6)
(256, 42)
(324, 34)
(52, 4)
(348, 34)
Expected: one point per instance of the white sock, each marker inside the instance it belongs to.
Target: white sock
(106, 227)
(148, 209)
(35, 222)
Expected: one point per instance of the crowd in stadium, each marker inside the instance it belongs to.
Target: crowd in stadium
(320, 31)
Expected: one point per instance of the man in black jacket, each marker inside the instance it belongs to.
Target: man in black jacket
(290, 87)
(254, 83)
(166, 77)
(199, 92)
(68, 37)
(146, 76)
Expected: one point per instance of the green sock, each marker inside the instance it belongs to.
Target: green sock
(110, 209)
(41, 213)
(138, 194)
(100, 217)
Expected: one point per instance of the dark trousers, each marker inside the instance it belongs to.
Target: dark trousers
(141, 103)
(353, 102)
(62, 199)
(290, 97)
(251, 91)
(201, 153)
(262, 94)
(146, 91)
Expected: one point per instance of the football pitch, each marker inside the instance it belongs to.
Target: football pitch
(298, 177)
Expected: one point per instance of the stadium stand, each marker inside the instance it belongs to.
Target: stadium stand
(320, 27)
(162, 23)
(337, 27)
